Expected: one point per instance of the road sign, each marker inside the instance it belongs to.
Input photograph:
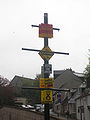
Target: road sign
(46, 96)
(42, 83)
(46, 82)
(46, 53)
(46, 68)
(45, 30)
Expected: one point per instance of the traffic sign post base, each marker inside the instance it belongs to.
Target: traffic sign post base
(46, 111)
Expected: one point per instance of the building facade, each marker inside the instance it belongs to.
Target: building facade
(83, 106)
(66, 79)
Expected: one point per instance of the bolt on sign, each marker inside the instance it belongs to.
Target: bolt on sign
(46, 96)
(46, 82)
(45, 30)
(46, 53)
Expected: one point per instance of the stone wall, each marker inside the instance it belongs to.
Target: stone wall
(11, 113)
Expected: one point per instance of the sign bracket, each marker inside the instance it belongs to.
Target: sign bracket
(38, 26)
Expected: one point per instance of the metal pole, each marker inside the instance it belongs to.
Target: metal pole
(46, 106)
(46, 62)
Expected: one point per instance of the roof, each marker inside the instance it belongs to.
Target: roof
(67, 79)
(78, 74)
(57, 73)
(23, 81)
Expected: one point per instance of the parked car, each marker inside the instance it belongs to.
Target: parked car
(28, 106)
(39, 107)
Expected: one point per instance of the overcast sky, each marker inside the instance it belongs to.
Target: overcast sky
(16, 18)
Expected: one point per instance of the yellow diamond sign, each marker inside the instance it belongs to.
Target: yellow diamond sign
(46, 53)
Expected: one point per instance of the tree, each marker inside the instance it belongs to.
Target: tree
(6, 92)
(3, 81)
(6, 95)
(87, 73)
(33, 96)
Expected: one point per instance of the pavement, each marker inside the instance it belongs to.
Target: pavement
(64, 118)
(61, 117)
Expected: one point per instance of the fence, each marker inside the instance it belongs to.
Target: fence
(12, 113)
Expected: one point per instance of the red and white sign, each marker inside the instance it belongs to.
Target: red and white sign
(45, 30)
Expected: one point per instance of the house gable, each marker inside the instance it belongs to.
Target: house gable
(67, 80)
(18, 81)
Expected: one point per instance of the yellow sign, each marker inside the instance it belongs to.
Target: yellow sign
(46, 96)
(42, 83)
(46, 83)
(46, 53)
(42, 97)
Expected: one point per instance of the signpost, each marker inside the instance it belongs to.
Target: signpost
(46, 75)
(46, 83)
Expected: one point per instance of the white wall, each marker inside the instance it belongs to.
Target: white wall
(83, 101)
